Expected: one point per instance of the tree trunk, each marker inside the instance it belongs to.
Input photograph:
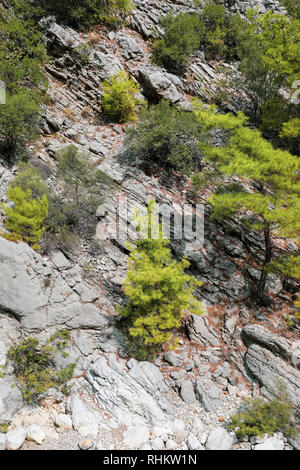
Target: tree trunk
(268, 257)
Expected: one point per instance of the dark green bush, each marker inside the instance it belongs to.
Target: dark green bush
(221, 31)
(182, 37)
(34, 365)
(85, 13)
(166, 136)
(258, 417)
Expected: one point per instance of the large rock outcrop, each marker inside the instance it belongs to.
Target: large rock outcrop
(132, 396)
(270, 360)
(38, 295)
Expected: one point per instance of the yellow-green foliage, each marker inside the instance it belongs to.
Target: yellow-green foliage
(259, 417)
(291, 131)
(119, 100)
(26, 219)
(276, 206)
(34, 367)
(158, 289)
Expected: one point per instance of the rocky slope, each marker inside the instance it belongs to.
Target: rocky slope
(234, 350)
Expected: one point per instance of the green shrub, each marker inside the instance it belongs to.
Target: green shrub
(166, 136)
(157, 287)
(58, 223)
(259, 417)
(120, 100)
(85, 13)
(4, 428)
(214, 29)
(22, 52)
(222, 31)
(182, 37)
(19, 119)
(25, 220)
(34, 365)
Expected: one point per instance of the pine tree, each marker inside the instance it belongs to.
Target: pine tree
(76, 171)
(25, 220)
(158, 289)
(274, 174)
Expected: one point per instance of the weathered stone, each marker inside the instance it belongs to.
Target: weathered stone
(10, 399)
(175, 359)
(2, 441)
(187, 392)
(158, 84)
(15, 439)
(219, 439)
(35, 433)
(193, 443)
(200, 332)
(208, 394)
(129, 46)
(157, 444)
(63, 421)
(271, 370)
(129, 396)
(60, 261)
(261, 335)
(136, 436)
(270, 444)
(84, 420)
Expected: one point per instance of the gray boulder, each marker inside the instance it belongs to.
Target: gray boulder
(175, 359)
(193, 443)
(158, 84)
(200, 332)
(136, 436)
(38, 296)
(219, 439)
(132, 397)
(84, 420)
(129, 47)
(187, 392)
(10, 399)
(2, 441)
(271, 371)
(270, 444)
(15, 439)
(35, 433)
(208, 394)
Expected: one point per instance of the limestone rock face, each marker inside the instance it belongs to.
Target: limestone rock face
(271, 370)
(34, 292)
(219, 439)
(130, 396)
(10, 398)
(200, 332)
(270, 359)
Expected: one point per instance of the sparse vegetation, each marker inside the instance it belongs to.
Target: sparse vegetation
(120, 101)
(34, 365)
(166, 136)
(258, 417)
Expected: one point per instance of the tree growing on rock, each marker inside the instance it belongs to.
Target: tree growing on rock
(85, 13)
(76, 171)
(182, 37)
(120, 100)
(167, 136)
(272, 204)
(159, 291)
(25, 220)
